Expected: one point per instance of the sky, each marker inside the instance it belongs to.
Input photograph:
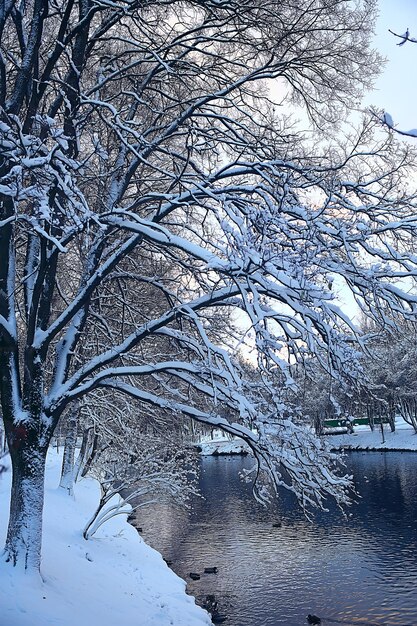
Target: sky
(396, 89)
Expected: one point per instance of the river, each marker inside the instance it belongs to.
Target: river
(359, 569)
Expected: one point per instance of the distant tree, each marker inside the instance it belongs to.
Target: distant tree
(390, 364)
(317, 395)
(135, 130)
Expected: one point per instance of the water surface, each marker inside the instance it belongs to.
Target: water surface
(356, 570)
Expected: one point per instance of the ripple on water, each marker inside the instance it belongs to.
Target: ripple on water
(356, 570)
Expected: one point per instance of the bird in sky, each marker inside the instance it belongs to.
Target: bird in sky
(405, 38)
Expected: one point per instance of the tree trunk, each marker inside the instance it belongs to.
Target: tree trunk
(68, 463)
(318, 424)
(382, 427)
(391, 413)
(90, 453)
(24, 534)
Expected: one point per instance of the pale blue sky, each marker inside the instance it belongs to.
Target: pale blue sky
(396, 89)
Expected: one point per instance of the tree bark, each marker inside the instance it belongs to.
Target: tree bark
(24, 534)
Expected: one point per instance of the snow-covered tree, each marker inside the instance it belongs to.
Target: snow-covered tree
(390, 364)
(136, 470)
(150, 129)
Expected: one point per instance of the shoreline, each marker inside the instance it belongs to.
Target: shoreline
(348, 448)
(403, 439)
(112, 578)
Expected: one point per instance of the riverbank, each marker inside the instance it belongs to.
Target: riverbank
(404, 438)
(220, 445)
(113, 578)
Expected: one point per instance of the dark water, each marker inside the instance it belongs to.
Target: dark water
(360, 570)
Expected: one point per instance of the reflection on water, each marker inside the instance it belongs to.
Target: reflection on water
(356, 570)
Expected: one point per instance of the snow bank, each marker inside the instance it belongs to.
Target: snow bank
(363, 438)
(218, 447)
(112, 579)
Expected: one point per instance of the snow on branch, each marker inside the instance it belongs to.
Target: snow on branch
(148, 476)
(160, 216)
(386, 119)
(287, 455)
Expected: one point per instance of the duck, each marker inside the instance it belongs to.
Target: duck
(218, 618)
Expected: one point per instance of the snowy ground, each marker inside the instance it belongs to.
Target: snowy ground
(114, 579)
(363, 438)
